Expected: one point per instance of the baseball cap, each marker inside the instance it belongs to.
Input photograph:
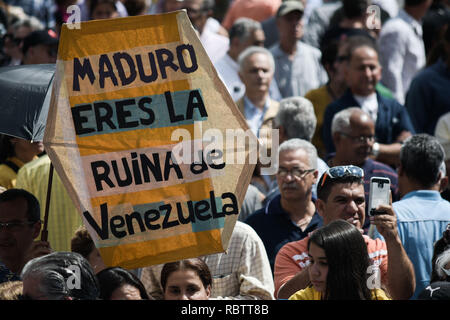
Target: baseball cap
(45, 37)
(289, 6)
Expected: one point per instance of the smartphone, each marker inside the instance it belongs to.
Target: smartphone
(378, 194)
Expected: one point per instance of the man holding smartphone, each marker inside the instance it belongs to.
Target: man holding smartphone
(422, 214)
(340, 194)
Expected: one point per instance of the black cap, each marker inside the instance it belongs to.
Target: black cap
(45, 37)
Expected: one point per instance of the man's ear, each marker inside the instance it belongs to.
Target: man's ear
(336, 138)
(316, 175)
(320, 206)
(36, 229)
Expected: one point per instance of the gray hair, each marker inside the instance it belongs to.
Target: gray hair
(55, 271)
(440, 263)
(296, 115)
(341, 120)
(252, 50)
(296, 144)
(243, 28)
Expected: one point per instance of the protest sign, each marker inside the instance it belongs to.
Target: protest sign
(131, 102)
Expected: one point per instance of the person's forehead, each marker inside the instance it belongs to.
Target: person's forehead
(361, 121)
(364, 54)
(257, 58)
(257, 34)
(297, 156)
(347, 189)
(16, 208)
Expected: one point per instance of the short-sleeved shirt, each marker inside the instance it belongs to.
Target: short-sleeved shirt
(301, 74)
(293, 258)
(275, 228)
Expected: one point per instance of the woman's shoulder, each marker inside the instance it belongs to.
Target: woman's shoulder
(306, 294)
(379, 294)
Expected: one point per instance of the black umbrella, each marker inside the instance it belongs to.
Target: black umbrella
(25, 93)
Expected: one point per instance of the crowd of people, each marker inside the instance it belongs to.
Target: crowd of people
(354, 93)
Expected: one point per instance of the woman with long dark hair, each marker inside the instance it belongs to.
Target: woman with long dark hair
(117, 283)
(340, 266)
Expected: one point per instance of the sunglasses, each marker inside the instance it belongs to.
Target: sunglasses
(341, 172)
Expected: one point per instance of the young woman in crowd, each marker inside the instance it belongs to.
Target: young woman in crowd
(339, 266)
(188, 279)
(120, 284)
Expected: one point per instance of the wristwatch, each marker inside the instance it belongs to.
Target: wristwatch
(375, 149)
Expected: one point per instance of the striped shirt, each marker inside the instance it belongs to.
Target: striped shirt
(293, 258)
(63, 217)
(242, 273)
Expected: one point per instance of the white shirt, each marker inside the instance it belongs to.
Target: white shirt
(402, 53)
(228, 70)
(215, 44)
(369, 105)
(254, 115)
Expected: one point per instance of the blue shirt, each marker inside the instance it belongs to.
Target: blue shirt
(428, 97)
(422, 217)
(275, 228)
(392, 119)
(254, 115)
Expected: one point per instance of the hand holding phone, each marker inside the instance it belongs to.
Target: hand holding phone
(379, 194)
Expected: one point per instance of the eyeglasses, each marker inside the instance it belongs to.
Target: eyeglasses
(359, 139)
(15, 226)
(341, 172)
(295, 172)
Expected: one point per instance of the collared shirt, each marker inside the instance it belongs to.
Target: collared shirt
(402, 53)
(275, 227)
(305, 72)
(392, 119)
(369, 105)
(254, 115)
(242, 273)
(422, 217)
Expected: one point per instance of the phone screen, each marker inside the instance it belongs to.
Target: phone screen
(379, 192)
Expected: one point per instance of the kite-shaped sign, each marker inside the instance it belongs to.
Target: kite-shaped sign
(134, 102)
